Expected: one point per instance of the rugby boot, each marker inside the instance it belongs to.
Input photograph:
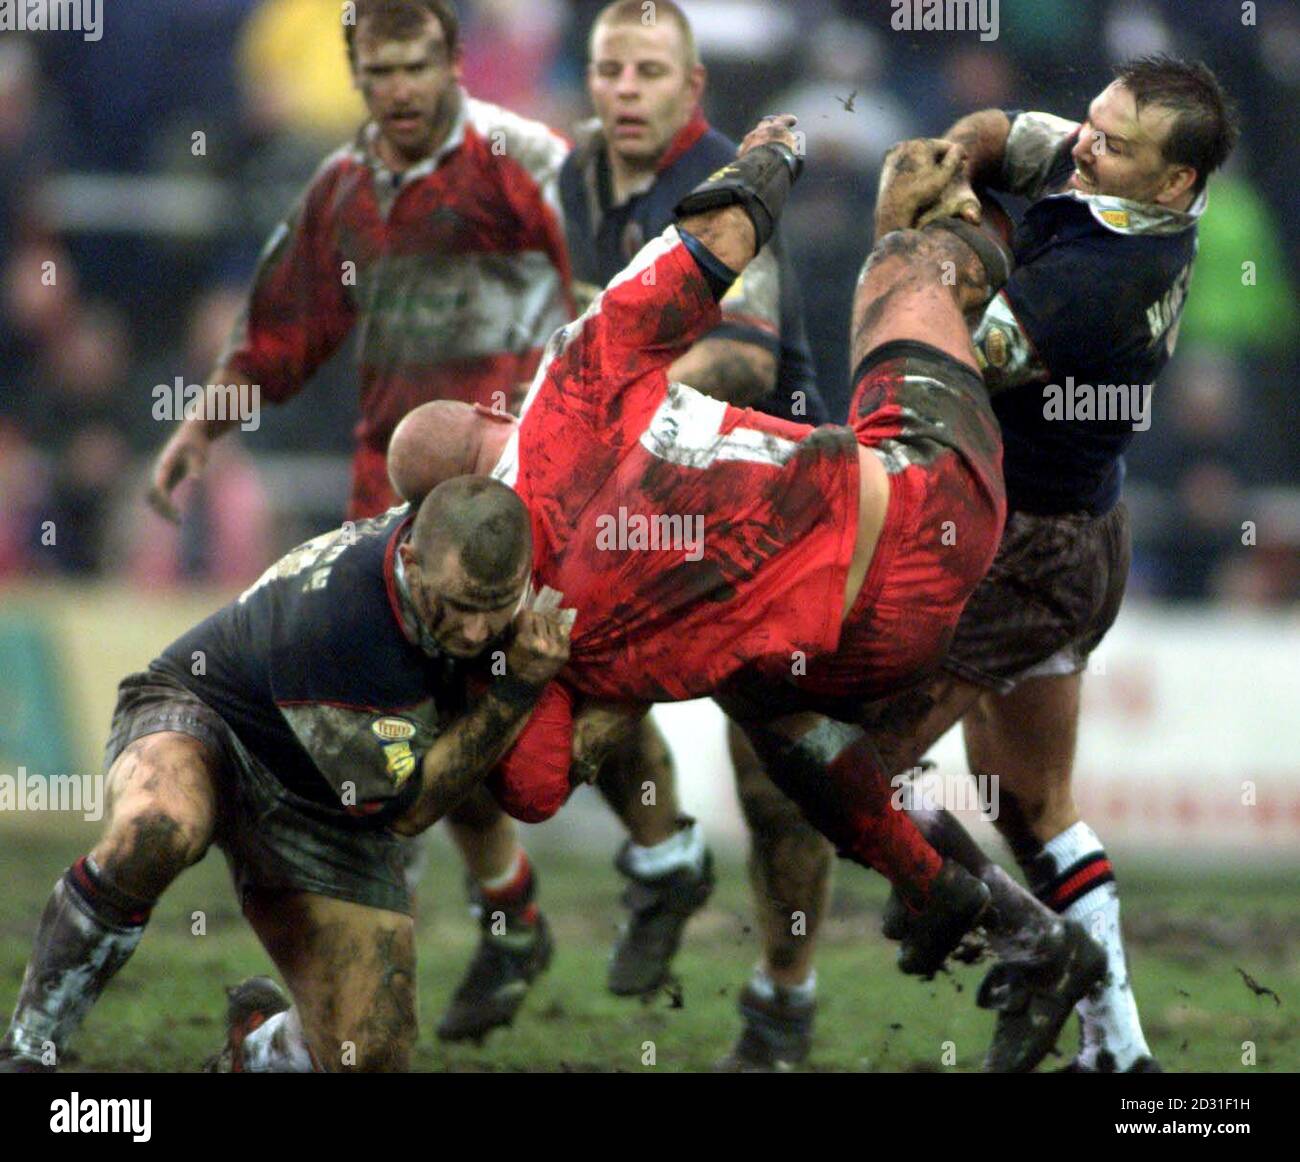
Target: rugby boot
(957, 902)
(658, 909)
(776, 1034)
(249, 1005)
(499, 977)
(1034, 999)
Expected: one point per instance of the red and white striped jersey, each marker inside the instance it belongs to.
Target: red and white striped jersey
(454, 273)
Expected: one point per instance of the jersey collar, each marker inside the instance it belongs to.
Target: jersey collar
(1122, 216)
(686, 137)
(600, 181)
(366, 152)
(399, 594)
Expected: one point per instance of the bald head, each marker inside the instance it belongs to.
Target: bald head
(433, 443)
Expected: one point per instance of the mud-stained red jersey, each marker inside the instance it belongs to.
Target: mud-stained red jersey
(453, 273)
(692, 537)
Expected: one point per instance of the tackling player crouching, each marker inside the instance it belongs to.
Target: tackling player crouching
(333, 709)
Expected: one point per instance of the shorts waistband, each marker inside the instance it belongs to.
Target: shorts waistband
(914, 349)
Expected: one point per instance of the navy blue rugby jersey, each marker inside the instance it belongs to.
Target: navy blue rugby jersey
(764, 306)
(1084, 327)
(325, 674)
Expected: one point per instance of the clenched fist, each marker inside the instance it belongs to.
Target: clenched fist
(924, 179)
(774, 130)
(540, 646)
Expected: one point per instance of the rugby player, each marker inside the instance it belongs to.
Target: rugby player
(436, 238)
(861, 597)
(333, 708)
(647, 148)
(1104, 255)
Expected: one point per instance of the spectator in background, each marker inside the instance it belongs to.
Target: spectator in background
(24, 501)
(226, 535)
(294, 72)
(530, 35)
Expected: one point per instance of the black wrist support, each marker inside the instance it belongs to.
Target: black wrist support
(759, 183)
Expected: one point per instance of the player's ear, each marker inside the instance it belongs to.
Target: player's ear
(1178, 181)
(699, 79)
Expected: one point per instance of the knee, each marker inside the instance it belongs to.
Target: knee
(148, 847)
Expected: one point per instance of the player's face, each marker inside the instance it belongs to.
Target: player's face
(408, 87)
(641, 87)
(1118, 153)
(462, 615)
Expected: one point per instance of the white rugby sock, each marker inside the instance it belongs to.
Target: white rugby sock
(683, 849)
(278, 1045)
(1073, 876)
(799, 994)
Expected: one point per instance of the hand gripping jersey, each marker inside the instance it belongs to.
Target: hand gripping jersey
(317, 670)
(693, 537)
(453, 274)
(1084, 327)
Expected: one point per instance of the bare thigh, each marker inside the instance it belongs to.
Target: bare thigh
(351, 970)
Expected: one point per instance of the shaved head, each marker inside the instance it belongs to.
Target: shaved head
(433, 443)
(482, 523)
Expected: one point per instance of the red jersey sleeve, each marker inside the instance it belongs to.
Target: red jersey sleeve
(532, 782)
(606, 369)
(298, 310)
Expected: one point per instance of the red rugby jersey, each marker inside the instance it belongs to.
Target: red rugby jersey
(692, 537)
(455, 272)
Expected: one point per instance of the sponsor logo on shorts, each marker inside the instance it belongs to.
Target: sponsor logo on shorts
(393, 729)
(1127, 403)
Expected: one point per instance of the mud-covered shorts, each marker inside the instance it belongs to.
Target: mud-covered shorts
(1052, 593)
(928, 418)
(272, 838)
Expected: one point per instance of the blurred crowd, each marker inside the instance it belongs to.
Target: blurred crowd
(140, 175)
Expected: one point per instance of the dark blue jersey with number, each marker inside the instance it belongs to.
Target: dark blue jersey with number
(764, 306)
(1074, 343)
(322, 672)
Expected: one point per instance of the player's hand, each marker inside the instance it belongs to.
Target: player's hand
(924, 176)
(775, 130)
(540, 648)
(184, 456)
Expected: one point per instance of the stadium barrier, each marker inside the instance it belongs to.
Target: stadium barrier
(1189, 745)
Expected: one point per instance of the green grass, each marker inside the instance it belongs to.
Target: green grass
(1188, 935)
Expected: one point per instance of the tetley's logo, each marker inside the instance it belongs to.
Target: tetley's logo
(393, 729)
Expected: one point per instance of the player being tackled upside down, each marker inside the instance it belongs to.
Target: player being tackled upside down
(824, 577)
